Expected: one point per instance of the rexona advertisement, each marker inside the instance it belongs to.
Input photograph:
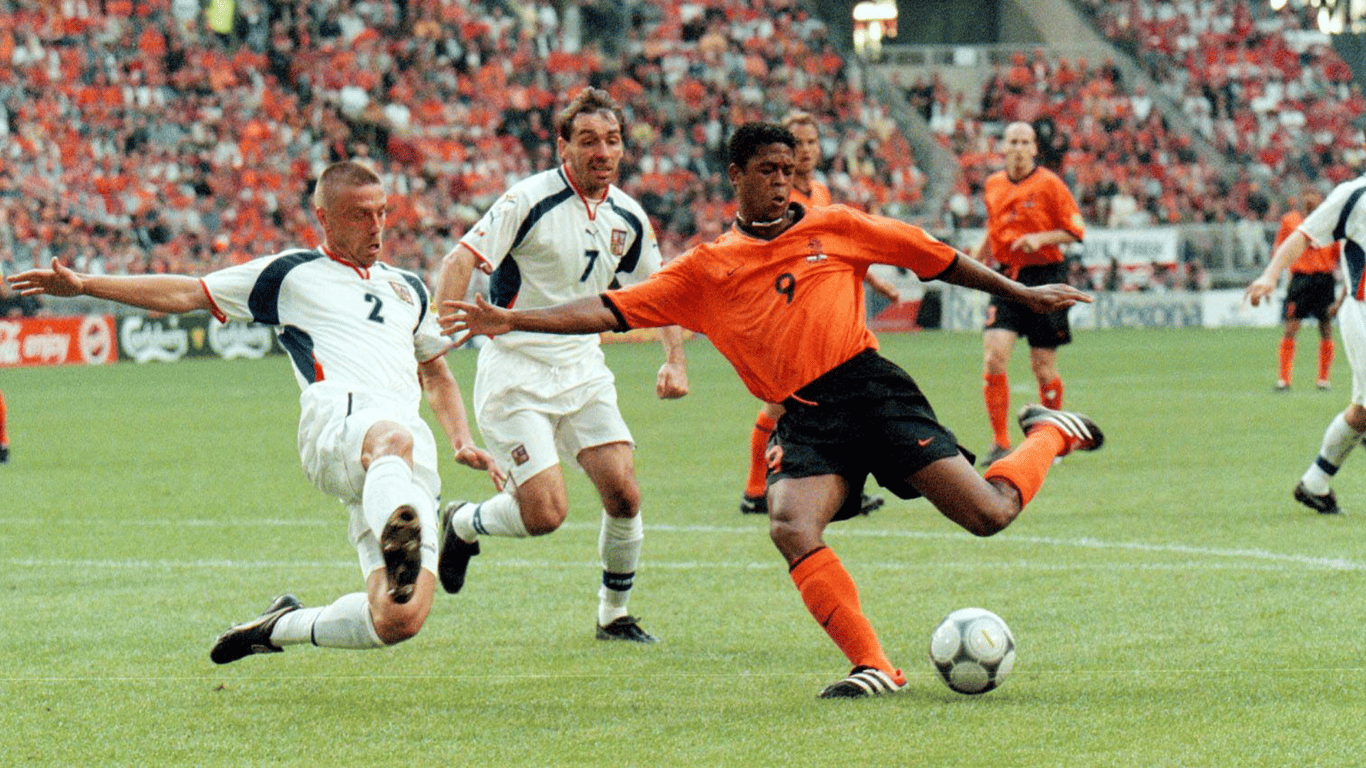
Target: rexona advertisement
(166, 339)
(83, 340)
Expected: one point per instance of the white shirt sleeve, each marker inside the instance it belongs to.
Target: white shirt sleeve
(1320, 224)
(230, 288)
(427, 339)
(492, 237)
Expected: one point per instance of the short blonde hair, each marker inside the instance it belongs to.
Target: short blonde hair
(798, 117)
(342, 175)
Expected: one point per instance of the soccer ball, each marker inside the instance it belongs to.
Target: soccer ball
(973, 650)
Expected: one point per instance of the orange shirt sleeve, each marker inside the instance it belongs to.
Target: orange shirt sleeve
(783, 312)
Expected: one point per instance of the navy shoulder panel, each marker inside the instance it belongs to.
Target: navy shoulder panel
(539, 210)
(264, 301)
(632, 258)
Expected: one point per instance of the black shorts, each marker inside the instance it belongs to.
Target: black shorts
(864, 416)
(1043, 331)
(1310, 295)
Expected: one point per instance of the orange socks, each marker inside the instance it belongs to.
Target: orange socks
(1287, 359)
(996, 391)
(1325, 359)
(757, 483)
(1050, 394)
(4, 436)
(1027, 466)
(830, 594)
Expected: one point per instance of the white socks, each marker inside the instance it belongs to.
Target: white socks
(388, 485)
(1338, 441)
(346, 623)
(499, 516)
(619, 545)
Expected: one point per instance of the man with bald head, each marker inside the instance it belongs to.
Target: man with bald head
(1030, 215)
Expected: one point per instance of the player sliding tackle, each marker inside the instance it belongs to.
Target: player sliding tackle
(365, 352)
(780, 296)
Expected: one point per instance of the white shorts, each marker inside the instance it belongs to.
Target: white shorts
(534, 415)
(1352, 322)
(333, 422)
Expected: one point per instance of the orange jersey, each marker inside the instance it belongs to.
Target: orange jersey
(820, 195)
(1039, 202)
(783, 311)
(1313, 259)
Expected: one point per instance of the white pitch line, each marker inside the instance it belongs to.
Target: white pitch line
(1257, 559)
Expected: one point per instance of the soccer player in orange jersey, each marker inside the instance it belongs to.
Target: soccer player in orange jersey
(1310, 294)
(809, 192)
(1030, 214)
(781, 297)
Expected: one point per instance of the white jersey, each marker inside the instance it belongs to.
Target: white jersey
(1342, 216)
(365, 329)
(546, 244)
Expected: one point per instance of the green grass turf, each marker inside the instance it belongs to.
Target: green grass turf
(1171, 604)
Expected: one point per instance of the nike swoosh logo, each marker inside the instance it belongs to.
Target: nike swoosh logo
(925, 442)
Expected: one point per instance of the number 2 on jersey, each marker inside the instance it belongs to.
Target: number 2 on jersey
(374, 313)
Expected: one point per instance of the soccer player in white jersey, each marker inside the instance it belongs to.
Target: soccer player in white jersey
(559, 235)
(1341, 216)
(365, 347)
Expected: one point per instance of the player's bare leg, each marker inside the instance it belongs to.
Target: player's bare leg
(534, 507)
(986, 505)
(396, 622)
(611, 467)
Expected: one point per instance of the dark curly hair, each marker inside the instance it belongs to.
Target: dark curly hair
(749, 138)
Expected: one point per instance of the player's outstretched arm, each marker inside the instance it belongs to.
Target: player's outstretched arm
(172, 294)
(586, 315)
(443, 395)
(453, 279)
(1290, 249)
(672, 381)
(1044, 298)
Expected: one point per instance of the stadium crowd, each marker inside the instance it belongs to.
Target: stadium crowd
(162, 136)
(148, 137)
(1262, 86)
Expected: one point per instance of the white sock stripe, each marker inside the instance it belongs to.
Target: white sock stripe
(860, 682)
(1069, 423)
(872, 679)
(1073, 425)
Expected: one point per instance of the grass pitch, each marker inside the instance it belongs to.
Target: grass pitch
(1171, 603)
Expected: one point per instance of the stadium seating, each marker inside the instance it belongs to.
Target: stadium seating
(138, 137)
(141, 139)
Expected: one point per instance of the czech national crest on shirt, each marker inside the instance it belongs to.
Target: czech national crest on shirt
(402, 291)
(618, 244)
